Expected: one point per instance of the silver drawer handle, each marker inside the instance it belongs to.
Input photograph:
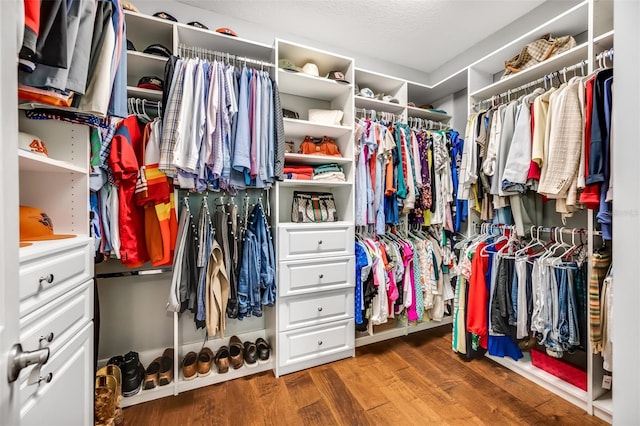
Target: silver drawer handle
(319, 242)
(46, 278)
(319, 342)
(321, 276)
(46, 379)
(319, 308)
(48, 338)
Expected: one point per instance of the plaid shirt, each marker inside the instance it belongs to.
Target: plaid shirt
(170, 124)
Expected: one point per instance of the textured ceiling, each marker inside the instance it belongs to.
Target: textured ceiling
(419, 34)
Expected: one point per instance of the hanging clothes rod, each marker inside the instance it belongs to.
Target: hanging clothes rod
(428, 124)
(600, 57)
(378, 115)
(486, 226)
(133, 273)
(185, 51)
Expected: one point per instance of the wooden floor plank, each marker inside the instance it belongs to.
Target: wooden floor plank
(341, 402)
(413, 380)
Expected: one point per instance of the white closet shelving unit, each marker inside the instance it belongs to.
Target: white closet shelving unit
(403, 91)
(55, 277)
(313, 321)
(134, 315)
(591, 24)
(302, 319)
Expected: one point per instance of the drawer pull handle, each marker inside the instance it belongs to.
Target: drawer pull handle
(48, 338)
(321, 276)
(319, 242)
(46, 379)
(319, 308)
(47, 278)
(319, 342)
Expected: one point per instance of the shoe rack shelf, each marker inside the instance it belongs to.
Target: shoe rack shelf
(214, 377)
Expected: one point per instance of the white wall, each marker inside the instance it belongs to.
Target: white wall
(186, 13)
(626, 213)
(536, 17)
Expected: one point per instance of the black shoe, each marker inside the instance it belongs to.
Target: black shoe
(117, 360)
(250, 354)
(263, 350)
(132, 374)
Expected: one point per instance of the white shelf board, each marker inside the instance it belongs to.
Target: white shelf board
(148, 395)
(140, 64)
(240, 47)
(548, 381)
(377, 82)
(215, 377)
(428, 115)
(154, 95)
(427, 325)
(37, 163)
(301, 128)
(571, 22)
(324, 184)
(603, 41)
(325, 61)
(603, 407)
(378, 105)
(380, 336)
(145, 30)
(308, 86)
(552, 64)
(314, 160)
(421, 94)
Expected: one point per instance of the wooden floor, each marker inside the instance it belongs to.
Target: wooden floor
(414, 380)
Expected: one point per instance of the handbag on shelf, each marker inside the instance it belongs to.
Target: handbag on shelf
(331, 117)
(317, 146)
(538, 51)
(310, 207)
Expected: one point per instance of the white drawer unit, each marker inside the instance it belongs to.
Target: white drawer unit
(315, 240)
(67, 399)
(51, 269)
(308, 276)
(55, 323)
(312, 346)
(302, 311)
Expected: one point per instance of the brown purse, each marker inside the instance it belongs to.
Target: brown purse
(316, 146)
(538, 51)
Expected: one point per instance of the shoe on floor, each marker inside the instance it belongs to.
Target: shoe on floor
(189, 366)
(105, 400)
